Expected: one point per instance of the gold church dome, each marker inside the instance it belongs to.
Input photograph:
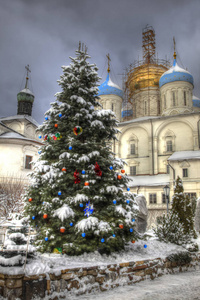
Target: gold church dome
(144, 76)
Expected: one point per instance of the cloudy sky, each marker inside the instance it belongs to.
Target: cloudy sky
(44, 33)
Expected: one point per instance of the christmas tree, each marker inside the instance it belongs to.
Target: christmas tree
(178, 226)
(76, 197)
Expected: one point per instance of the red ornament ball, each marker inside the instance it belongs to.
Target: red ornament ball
(121, 226)
(64, 169)
(133, 242)
(45, 216)
(119, 177)
(56, 125)
(62, 229)
(123, 171)
(86, 183)
(30, 199)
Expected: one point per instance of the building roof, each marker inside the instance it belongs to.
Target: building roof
(196, 101)
(17, 136)
(175, 73)
(26, 91)
(110, 88)
(184, 155)
(19, 117)
(149, 180)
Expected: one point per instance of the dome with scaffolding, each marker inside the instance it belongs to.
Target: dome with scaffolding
(109, 88)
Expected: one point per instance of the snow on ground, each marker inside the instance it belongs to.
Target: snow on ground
(181, 286)
(54, 263)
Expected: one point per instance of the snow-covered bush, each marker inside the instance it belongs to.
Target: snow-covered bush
(15, 248)
(181, 258)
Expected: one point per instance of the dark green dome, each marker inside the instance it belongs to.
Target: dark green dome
(25, 95)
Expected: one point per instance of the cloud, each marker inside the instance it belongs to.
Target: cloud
(44, 34)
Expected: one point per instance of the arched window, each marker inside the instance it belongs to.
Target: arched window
(132, 170)
(173, 99)
(132, 148)
(165, 104)
(169, 142)
(169, 146)
(184, 98)
(145, 108)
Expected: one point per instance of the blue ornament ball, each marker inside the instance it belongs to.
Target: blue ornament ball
(133, 220)
(113, 235)
(111, 167)
(131, 229)
(114, 201)
(39, 152)
(102, 240)
(46, 238)
(46, 118)
(83, 234)
(83, 172)
(71, 224)
(60, 115)
(128, 189)
(81, 204)
(70, 147)
(40, 136)
(33, 217)
(127, 201)
(59, 193)
(145, 246)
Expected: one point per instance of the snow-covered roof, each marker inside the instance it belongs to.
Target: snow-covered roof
(196, 101)
(146, 118)
(175, 73)
(12, 135)
(15, 135)
(149, 180)
(19, 117)
(183, 155)
(109, 88)
(26, 91)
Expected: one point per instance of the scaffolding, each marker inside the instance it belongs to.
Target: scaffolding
(148, 44)
(141, 80)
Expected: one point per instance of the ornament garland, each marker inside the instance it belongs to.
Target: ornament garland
(77, 178)
(97, 170)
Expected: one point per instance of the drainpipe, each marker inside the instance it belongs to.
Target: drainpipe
(198, 123)
(152, 148)
(138, 188)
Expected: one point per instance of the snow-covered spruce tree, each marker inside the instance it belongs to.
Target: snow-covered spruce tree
(15, 245)
(178, 226)
(181, 206)
(171, 230)
(76, 197)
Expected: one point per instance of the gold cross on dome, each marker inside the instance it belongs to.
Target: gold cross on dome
(28, 70)
(108, 57)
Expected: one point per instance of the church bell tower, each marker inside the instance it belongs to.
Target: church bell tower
(25, 98)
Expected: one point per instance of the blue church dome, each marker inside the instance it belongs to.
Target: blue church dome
(196, 101)
(110, 88)
(175, 73)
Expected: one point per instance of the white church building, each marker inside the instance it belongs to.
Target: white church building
(159, 123)
(19, 142)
